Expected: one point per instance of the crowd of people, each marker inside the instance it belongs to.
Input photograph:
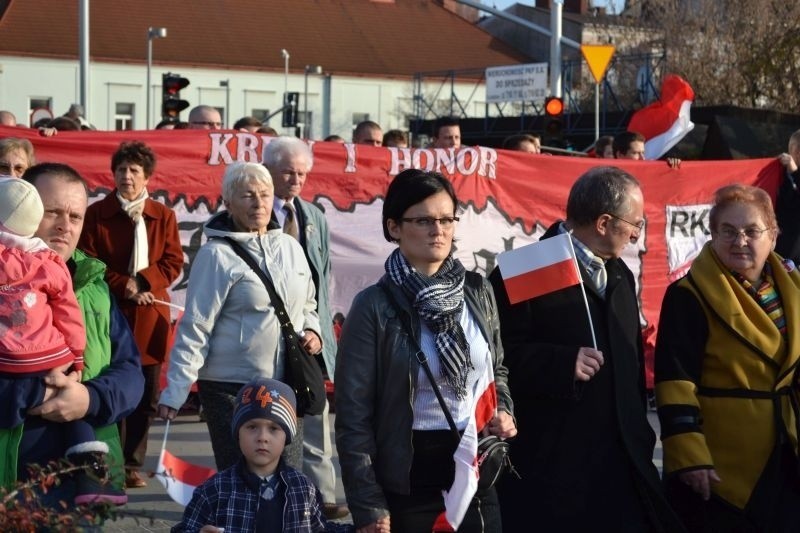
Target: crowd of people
(85, 328)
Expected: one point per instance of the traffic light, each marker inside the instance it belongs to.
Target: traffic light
(553, 117)
(291, 103)
(171, 103)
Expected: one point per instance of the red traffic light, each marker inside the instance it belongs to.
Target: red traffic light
(173, 83)
(171, 103)
(553, 106)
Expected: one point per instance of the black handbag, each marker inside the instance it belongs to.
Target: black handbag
(492, 458)
(303, 373)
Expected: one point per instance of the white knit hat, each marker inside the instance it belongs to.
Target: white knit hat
(21, 208)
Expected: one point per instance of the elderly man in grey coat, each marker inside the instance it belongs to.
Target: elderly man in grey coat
(289, 160)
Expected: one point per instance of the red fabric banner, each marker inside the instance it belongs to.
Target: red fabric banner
(507, 198)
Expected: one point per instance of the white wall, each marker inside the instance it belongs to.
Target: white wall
(385, 100)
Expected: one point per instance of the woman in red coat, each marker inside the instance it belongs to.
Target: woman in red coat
(138, 240)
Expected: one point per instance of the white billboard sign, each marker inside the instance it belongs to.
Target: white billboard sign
(516, 83)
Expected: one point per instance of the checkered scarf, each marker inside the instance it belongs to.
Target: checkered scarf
(439, 300)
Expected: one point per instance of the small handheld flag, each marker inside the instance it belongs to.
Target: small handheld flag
(539, 268)
(179, 477)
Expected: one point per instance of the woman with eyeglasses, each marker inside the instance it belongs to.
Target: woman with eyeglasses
(394, 441)
(726, 375)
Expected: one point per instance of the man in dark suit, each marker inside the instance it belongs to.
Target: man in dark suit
(289, 160)
(585, 448)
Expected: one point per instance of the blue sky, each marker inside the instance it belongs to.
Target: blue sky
(502, 4)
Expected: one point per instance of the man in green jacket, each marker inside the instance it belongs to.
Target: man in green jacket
(112, 380)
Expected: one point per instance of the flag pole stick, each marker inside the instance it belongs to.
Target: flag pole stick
(163, 448)
(169, 304)
(583, 291)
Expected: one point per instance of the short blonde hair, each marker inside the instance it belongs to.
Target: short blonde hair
(12, 144)
(242, 172)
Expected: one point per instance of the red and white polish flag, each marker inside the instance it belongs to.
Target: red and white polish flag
(539, 268)
(666, 122)
(465, 482)
(179, 477)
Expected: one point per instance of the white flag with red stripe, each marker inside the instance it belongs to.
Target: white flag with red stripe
(666, 122)
(179, 477)
(539, 268)
(465, 483)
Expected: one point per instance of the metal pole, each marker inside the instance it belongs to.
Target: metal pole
(596, 111)
(305, 104)
(227, 84)
(327, 82)
(285, 55)
(83, 40)
(152, 33)
(149, 65)
(556, 7)
(228, 102)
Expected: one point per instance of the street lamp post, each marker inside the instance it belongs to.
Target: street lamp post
(152, 33)
(310, 69)
(227, 85)
(285, 56)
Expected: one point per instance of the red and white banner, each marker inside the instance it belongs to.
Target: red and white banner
(665, 122)
(179, 477)
(507, 198)
(539, 268)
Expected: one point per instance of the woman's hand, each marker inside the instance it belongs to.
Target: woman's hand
(166, 412)
(383, 525)
(502, 425)
(311, 343)
(700, 481)
(143, 298)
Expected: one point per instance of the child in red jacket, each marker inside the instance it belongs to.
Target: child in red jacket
(42, 330)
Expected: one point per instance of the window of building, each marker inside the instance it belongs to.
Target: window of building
(123, 116)
(223, 116)
(306, 118)
(261, 114)
(358, 118)
(40, 108)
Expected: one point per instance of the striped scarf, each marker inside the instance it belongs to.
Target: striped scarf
(767, 297)
(439, 300)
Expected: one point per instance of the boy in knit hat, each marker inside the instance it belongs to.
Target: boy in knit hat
(41, 330)
(261, 492)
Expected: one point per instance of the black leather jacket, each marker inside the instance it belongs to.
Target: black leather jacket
(376, 375)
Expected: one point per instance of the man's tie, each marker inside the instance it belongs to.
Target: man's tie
(599, 275)
(290, 224)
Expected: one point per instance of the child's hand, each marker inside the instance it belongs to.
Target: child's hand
(211, 529)
(75, 375)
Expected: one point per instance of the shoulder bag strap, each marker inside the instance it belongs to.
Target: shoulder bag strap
(422, 359)
(277, 303)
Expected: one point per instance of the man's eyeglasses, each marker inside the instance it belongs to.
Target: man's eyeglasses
(639, 226)
(207, 123)
(428, 222)
(729, 234)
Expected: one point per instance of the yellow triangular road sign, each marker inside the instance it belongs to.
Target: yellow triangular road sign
(598, 56)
